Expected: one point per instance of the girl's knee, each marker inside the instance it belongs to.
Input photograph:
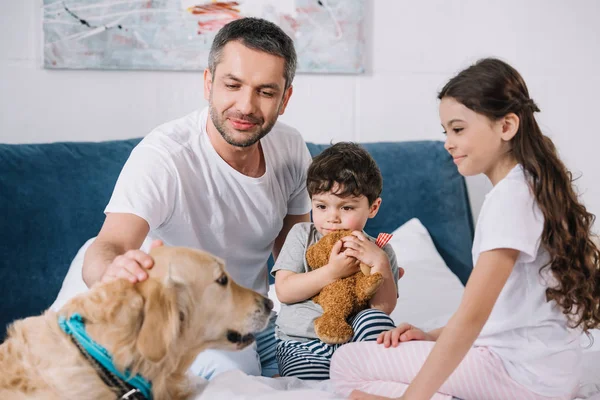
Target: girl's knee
(342, 367)
(339, 364)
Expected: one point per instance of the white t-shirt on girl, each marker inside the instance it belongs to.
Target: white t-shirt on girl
(178, 183)
(528, 333)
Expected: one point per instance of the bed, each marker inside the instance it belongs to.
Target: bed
(52, 197)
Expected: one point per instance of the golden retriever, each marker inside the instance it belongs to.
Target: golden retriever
(154, 328)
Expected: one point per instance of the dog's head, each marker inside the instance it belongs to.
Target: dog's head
(158, 326)
(190, 300)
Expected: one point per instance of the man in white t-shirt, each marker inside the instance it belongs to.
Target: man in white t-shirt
(214, 180)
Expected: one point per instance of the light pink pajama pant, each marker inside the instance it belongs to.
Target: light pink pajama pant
(374, 369)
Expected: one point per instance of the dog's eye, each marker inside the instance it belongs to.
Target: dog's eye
(222, 280)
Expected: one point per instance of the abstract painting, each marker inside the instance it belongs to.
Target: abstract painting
(177, 34)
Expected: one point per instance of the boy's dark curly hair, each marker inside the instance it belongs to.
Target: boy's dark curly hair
(349, 166)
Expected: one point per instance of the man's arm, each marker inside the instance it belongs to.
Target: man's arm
(115, 252)
(289, 221)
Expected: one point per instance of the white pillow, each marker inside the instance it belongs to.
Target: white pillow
(73, 283)
(429, 293)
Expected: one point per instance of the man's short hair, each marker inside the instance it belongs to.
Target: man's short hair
(349, 166)
(257, 34)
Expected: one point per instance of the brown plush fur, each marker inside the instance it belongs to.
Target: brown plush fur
(342, 298)
(155, 328)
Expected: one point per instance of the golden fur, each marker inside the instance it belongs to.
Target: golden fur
(342, 298)
(155, 328)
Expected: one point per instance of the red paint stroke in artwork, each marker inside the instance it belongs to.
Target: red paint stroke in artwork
(123, 40)
(225, 10)
(217, 7)
(309, 10)
(214, 25)
(147, 17)
(292, 21)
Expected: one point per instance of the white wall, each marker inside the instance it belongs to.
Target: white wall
(413, 49)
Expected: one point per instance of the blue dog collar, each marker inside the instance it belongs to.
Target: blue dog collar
(75, 327)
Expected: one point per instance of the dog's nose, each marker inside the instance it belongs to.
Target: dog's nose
(268, 303)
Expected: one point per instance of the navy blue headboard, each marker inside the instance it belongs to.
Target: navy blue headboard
(52, 198)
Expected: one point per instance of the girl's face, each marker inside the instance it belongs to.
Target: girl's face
(477, 144)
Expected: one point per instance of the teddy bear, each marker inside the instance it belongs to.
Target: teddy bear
(342, 298)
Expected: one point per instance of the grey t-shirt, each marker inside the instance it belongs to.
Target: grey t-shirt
(296, 321)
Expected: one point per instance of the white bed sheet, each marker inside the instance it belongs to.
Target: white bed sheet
(235, 385)
(428, 294)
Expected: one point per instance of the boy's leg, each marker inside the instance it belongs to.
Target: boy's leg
(304, 360)
(369, 323)
(311, 360)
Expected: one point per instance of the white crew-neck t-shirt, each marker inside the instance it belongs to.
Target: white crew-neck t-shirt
(175, 180)
(528, 333)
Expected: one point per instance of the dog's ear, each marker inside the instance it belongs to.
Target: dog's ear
(160, 325)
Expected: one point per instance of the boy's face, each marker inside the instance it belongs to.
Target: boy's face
(331, 212)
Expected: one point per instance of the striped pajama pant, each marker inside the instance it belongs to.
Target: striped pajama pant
(311, 360)
(377, 370)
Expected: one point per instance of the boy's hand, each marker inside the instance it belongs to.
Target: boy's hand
(360, 247)
(341, 265)
(403, 333)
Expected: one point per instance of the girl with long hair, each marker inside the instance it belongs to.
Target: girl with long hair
(535, 286)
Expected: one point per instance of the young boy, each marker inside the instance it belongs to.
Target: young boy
(344, 184)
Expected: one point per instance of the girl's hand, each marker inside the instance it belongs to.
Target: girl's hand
(341, 265)
(358, 395)
(359, 246)
(403, 333)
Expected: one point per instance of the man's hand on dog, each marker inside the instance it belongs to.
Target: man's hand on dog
(131, 266)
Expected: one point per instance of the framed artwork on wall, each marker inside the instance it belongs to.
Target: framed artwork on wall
(177, 34)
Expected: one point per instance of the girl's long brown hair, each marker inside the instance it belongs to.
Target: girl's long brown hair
(493, 88)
